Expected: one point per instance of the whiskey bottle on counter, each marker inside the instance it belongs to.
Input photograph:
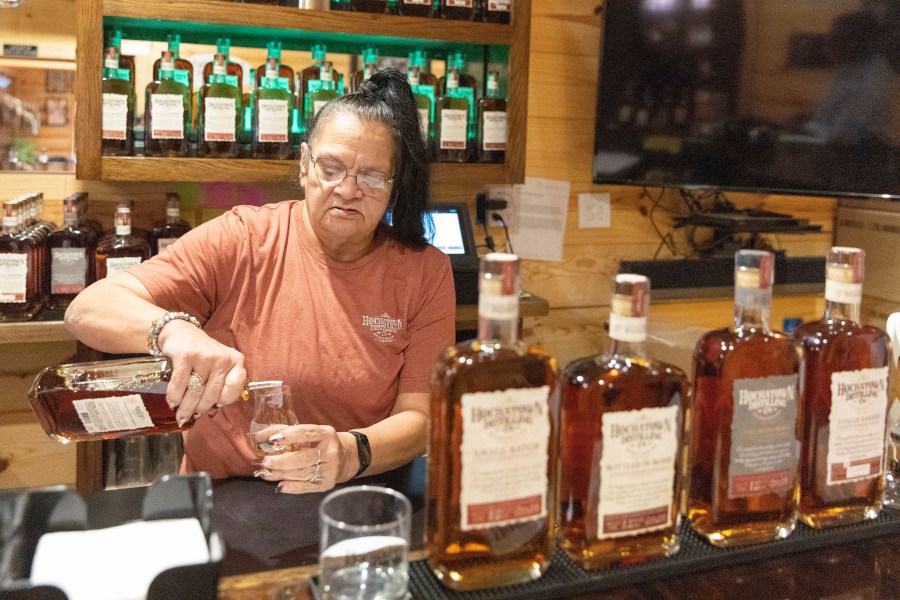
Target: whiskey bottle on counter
(272, 116)
(744, 423)
(166, 232)
(496, 11)
(182, 66)
(451, 123)
(620, 443)
(118, 108)
(221, 114)
(19, 299)
(313, 73)
(223, 46)
(370, 67)
(320, 92)
(71, 257)
(492, 449)
(168, 110)
(273, 50)
(458, 9)
(416, 8)
(845, 402)
(491, 139)
(120, 250)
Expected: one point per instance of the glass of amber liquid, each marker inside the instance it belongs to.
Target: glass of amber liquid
(272, 402)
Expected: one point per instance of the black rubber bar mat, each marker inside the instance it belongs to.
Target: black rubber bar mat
(565, 577)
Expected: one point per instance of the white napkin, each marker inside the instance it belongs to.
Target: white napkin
(117, 563)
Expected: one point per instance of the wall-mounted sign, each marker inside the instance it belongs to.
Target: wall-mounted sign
(20, 50)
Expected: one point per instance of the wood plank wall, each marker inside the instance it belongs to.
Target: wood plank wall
(565, 55)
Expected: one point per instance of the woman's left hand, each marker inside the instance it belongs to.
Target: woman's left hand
(316, 464)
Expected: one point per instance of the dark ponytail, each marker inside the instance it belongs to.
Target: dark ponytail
(388, 99)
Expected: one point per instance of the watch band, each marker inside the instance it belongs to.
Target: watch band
(364, 451)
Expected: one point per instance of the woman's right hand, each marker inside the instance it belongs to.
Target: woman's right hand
(220, 368)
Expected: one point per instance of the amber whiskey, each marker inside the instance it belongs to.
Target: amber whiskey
(313, 73)
(180, 64)
(114, 40)
(166, 232)
(168, 113)
(416, 8)
(117, 127)
(457, 60)
(419, 58)
(491, 139)
(620, 443)
(451, 125)
(492, 450)
(272, 116)
(273, 50)
(71, 257)
(744, 433)
(120, 250)
(223, 47)
(221, 114)
(19, 298)
(846, 367)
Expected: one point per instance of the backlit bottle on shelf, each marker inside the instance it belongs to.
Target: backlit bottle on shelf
(744, 429)
(458, 9)
(492, 129)
(120, 250)
(451, 123)
(182, 66)
(416, 8)
(620, 443)
(19, 293)
(272, 116)
(846, 369)
(313, 73)
(419, 58)
(223, 46)
(423, 102)
(319, 93)
(221, 115)
(114, 40)
(168, 110)
(166, 232)
(273, 50)
(71, 257)
(117, 126)
(496, 11)
(457, 60)
(492, 447)
(370, 67)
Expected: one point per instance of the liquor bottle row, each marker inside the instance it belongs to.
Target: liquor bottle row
(607, 456)
(270, 120)
(489, 11)
(42, 266)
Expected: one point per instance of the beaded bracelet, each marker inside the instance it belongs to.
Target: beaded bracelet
(157, 325)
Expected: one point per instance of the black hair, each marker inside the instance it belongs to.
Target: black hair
(388, 99)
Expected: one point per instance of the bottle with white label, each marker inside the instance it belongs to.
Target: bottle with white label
(744, 425)
(120, 250)
(166, 232)
(451, 123)
(846, 370)
(19, 291)
(492, 448)
(71, 257)
(168, 113)
(620, 443)
(221, 114)
(117, 128)
(491, 140)
(272, 116)
(496, 11)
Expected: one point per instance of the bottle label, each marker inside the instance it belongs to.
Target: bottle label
(181, 76)
(228, 79)
(418, 2)
(499, 5)
(115, 116)
(163, 244)
(844, 293)
(856, 426)
(120, 263)
(627, 329)
(747, 290)
(13, 277)
(494, 127)
(167, 112)
(454, 128)
(498, 307)
(319, 105)
(637, 471)
(116, 413)
(424, 116)
(460, 3)
(315, 85)
(173, 212)
(219, 119)
(116, 73)
(764, 445)
(274, 120)
(68, 270)
(275, 83)
(428, 92)
(505, 453)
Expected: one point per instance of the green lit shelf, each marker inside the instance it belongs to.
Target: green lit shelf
(137, 168)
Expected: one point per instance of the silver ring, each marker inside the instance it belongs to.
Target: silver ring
(195, 381)
(316, 478)
(318, 458)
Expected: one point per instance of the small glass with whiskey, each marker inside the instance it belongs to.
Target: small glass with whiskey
(272, 406)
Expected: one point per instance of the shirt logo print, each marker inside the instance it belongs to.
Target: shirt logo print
(384, 327)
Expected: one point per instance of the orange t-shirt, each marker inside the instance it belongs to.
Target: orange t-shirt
(346, 337)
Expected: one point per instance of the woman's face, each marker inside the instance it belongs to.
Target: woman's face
(346, 212)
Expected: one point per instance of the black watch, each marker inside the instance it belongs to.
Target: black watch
(364, 451)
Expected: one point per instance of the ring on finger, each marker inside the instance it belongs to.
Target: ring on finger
(195, 381)
(318, 459)
(316, 478)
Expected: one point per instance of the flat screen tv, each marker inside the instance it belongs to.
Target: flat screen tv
(777, 96)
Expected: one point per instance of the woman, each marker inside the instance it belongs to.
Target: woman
(320, 293)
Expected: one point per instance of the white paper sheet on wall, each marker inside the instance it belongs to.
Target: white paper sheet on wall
(541, 208)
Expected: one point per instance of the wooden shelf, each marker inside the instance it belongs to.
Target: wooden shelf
(239, 16)
(136, 168)
(34, 331)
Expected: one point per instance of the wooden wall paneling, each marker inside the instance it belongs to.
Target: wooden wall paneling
(28, 458)
(20, 363)
(89, 88)
(518, 89)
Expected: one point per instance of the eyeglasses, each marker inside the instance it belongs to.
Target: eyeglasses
(333, 172)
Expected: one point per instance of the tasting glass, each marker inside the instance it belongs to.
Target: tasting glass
(364, 544)
(272, 406)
